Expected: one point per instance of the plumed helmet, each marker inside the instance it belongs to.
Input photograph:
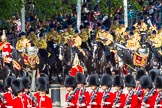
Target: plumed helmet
(118, 81)
(158, 82)
(106, 80)
(76, 60)
(26, 82)
(70, 81)
(16, 86)
(130, 81)
(93, 80)
(146, 81)
(153, 75)
(8, 81)
(139, 74)
(80, 78)
(43, 84)
(3, 37)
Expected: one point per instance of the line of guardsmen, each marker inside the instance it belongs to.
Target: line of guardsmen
(144, 91)
(17, 93)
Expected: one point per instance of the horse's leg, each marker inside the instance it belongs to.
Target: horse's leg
(33, 74)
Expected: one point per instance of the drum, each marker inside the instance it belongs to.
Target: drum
(32, 50)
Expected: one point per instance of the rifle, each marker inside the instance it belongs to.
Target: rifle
(129, 98)
(117, 99)
(139, 91)
(104, 97)
(2, 98)
(72, 95)
(146, 97)
(159, 98)
(34, 99)
(81, 98)
(93, 97)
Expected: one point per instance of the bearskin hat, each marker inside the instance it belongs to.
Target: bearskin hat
(130, 81)
(80, 78)
(139, 74)
(7, 82)
(118, 81)
(16, 86)
(93, 80)
(70, 81)
(158, 82)
(146, 81)
(44, 75)
(153, 75)
(26, 82)
(43, 84)
(106, 80)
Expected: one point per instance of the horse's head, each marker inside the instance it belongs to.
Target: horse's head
(94, 48)
(61, 54)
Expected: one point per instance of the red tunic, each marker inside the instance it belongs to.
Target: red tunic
(97, 100)
(8, 97)
(151, 100)
(6, 48)
(1, 104)
(73, 100)
(86, 98)
(28, 103)
(158, 97)
(76, 69)
(122, 99)
(19, 103)
(44, 102)
(110, 99)
(133, 101)
(139, 97)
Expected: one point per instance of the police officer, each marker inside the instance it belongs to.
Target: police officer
(41, 43)
(23, 43)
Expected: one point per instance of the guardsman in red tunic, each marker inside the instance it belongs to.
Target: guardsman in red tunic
(119, 100)
(83, 94)
(95, 96)
(138, 90)
(131, 97)
(107, 95)
(26, 93)
(72, 95)
(5, 47)
(18, 101)
(158, 85)
(76, 67)
(8, 94)
(147, 99)
(43, 100)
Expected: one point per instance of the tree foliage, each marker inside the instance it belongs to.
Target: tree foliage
(9, 8)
